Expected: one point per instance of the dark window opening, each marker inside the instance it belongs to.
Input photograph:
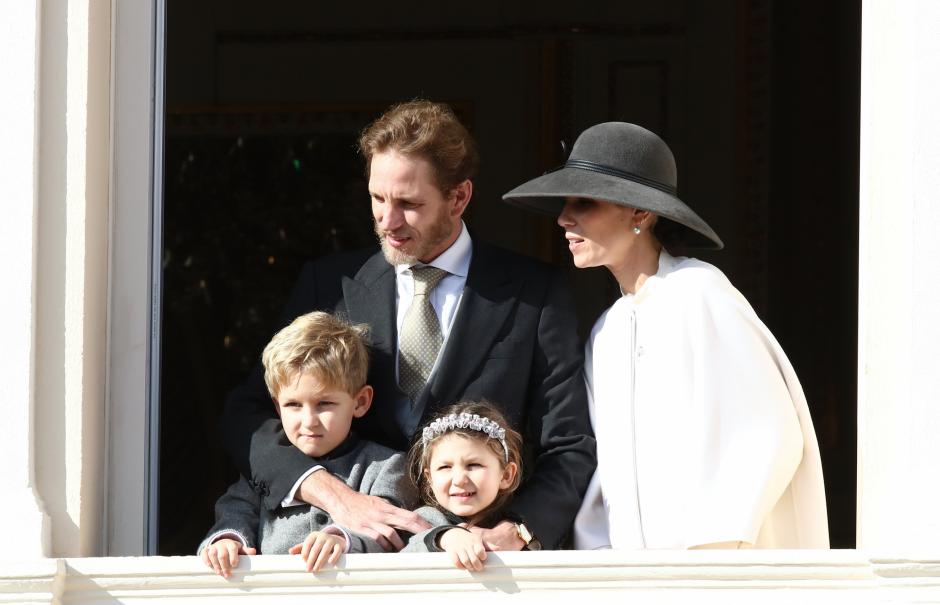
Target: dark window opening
(758, 99)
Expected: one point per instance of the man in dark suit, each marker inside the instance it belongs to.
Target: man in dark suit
(505, 331)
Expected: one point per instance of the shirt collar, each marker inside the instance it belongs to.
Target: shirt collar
(455, 260)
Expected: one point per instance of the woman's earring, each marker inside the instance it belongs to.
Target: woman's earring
(636, 230)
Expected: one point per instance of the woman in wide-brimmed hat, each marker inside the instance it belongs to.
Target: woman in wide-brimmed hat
(704, 438)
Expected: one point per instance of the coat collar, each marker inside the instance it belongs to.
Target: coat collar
(667, 264)
(370, 298)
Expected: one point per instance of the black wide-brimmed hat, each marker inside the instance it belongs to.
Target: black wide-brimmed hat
(623, 164)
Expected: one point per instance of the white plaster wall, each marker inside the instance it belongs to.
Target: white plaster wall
(899, 276)
(53, 242)
(72, 276)
(25, 523)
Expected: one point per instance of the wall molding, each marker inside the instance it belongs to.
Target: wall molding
(663, 576)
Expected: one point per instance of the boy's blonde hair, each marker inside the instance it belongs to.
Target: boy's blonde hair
(323, 345)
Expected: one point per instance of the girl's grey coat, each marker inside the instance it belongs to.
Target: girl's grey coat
(440, 521)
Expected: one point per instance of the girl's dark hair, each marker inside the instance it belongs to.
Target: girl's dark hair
(420, 454)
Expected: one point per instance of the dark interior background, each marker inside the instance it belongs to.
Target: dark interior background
(758, 99)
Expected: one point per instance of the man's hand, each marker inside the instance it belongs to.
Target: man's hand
(370, 516)
(503, 536)
(465, 548)
(319, 548)
(222, 555)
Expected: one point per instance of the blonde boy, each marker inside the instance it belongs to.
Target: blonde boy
(315, 370)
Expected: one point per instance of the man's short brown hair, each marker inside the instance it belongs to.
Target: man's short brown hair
(427, 130)
(323, 345)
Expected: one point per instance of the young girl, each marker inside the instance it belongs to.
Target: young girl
(466, 466)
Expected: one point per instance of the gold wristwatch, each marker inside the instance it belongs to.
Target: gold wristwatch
(531, 542)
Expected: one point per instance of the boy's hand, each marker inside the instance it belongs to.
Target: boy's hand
(368, 515)
(320, 548)
(222, 555)
(465, 548)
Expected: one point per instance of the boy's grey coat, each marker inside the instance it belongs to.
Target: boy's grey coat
(367, 467)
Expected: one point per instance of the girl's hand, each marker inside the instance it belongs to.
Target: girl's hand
(320, 548)
(503, 536)
(465, 548)
(222, 555)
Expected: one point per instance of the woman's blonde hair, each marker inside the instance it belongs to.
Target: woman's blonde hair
(323, 345)
(420, 455)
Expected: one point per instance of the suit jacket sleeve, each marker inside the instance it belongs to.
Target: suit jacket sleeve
(251, 431)
(557, 427)
(236, 515)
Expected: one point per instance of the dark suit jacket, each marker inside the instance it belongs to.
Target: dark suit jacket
(513, 343)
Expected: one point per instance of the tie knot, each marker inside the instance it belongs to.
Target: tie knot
(426, 278)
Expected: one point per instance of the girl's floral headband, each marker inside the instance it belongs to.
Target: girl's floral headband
(465, 420)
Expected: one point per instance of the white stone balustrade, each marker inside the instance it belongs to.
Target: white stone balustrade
(766, 577)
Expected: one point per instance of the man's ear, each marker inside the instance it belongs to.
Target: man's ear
(363, 401)
(509, 475)
(277, 406)
(461, 195)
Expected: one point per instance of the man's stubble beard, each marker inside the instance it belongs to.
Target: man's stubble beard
(438, 233)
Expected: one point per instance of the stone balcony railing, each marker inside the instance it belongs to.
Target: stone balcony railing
(764, 577)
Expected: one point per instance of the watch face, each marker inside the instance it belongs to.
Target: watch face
(531, 542)
(524, 534)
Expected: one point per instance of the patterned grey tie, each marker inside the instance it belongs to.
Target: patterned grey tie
(420, 339)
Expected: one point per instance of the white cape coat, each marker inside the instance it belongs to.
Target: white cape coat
(703, 432)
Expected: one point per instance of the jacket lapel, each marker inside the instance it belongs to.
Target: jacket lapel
(370, 298)
(488, 299)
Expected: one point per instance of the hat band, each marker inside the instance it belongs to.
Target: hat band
(595, 167)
